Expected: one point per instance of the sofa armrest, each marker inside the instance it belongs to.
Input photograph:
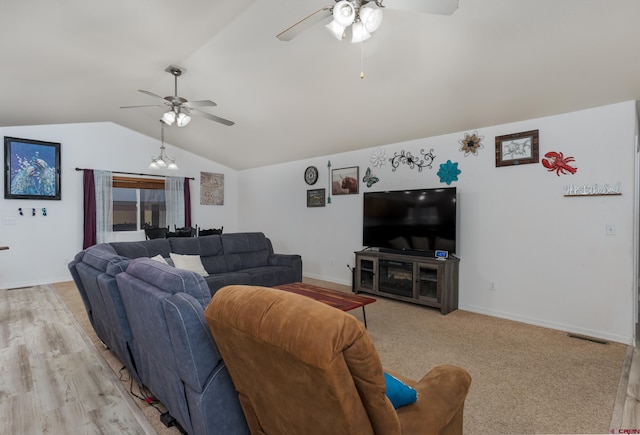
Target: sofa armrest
(288, 260)
(283, 259)
(192, 340)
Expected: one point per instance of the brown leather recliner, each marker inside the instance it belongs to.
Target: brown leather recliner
(304, 368)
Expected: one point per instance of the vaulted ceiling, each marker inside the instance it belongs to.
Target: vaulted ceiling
(491, 62)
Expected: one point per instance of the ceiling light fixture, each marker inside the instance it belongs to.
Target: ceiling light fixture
(162, 161)
(364, 20)
(180, 118)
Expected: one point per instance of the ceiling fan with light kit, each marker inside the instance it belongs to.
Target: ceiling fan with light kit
(180, 108)
(358, 19)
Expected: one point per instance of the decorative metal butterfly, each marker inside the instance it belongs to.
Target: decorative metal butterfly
(369, 178)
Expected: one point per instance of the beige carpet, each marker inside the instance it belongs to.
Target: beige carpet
(526, 379)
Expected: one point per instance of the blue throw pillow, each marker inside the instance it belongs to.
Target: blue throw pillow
(399, 393)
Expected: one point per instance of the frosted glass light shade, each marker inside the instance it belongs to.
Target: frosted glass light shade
(183, 119)
(169, 117)
(336, 30)
(344, 13)
(371, 18)
(359, 32)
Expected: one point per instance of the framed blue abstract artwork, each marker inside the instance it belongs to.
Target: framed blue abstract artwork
(31, 169)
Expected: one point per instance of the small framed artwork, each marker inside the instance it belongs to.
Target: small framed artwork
(316, 198)
(517, 148)
(345, 181)
(31, 169)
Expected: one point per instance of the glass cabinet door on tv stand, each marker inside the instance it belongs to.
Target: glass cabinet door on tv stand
(411, 278)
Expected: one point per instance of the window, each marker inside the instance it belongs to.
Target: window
(138, 203)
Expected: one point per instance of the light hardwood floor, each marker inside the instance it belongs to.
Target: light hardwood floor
(53, 381)
(626, 413)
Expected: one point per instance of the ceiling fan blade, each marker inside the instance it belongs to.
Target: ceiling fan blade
(213, 117)
(151, 94)
(135, 107)
(305, 23)
(201, 103)
(438, 7)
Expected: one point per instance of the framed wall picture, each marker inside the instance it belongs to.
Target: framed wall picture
(316, 198)
(345, 181)
(517, 149)
(211, 188)
(31, 169)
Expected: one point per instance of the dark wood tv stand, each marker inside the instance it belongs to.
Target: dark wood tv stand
(411, 278)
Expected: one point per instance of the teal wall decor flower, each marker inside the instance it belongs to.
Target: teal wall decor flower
(449, 172)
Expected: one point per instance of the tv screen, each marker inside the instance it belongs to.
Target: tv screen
(410, 220)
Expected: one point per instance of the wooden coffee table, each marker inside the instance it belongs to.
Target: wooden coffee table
(341, 300)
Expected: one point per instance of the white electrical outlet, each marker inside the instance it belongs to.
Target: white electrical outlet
(492, 286)
(611, 230)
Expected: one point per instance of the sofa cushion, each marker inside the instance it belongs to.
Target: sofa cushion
(147, 248)
(245, 250)
(209, 248)
(220, 280)
(104, 258)
(170, 279)
(185, 245)
(159, 258)
(189, 262)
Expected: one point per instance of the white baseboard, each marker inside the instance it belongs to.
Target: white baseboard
(21, 284)
(328, 279)
(628, 340)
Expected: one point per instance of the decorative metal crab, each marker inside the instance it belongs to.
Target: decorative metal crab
(556, 161)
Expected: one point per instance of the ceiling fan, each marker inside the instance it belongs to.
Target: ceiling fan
(180, 108)
(361, 18)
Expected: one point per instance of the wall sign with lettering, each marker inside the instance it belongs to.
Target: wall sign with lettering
(592, 190)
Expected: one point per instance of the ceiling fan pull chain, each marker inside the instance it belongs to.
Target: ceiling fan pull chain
(361, 60)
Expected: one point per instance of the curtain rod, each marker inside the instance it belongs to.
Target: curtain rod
(135, 173)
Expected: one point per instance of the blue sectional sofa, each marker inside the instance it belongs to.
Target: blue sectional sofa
(150, 315)
(174, 351)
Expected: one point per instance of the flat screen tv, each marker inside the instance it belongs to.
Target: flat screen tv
(411, 221)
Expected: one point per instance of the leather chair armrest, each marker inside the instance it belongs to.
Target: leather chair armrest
(439, 408)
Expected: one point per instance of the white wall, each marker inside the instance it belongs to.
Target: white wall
(548, 255)
(41, 247)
